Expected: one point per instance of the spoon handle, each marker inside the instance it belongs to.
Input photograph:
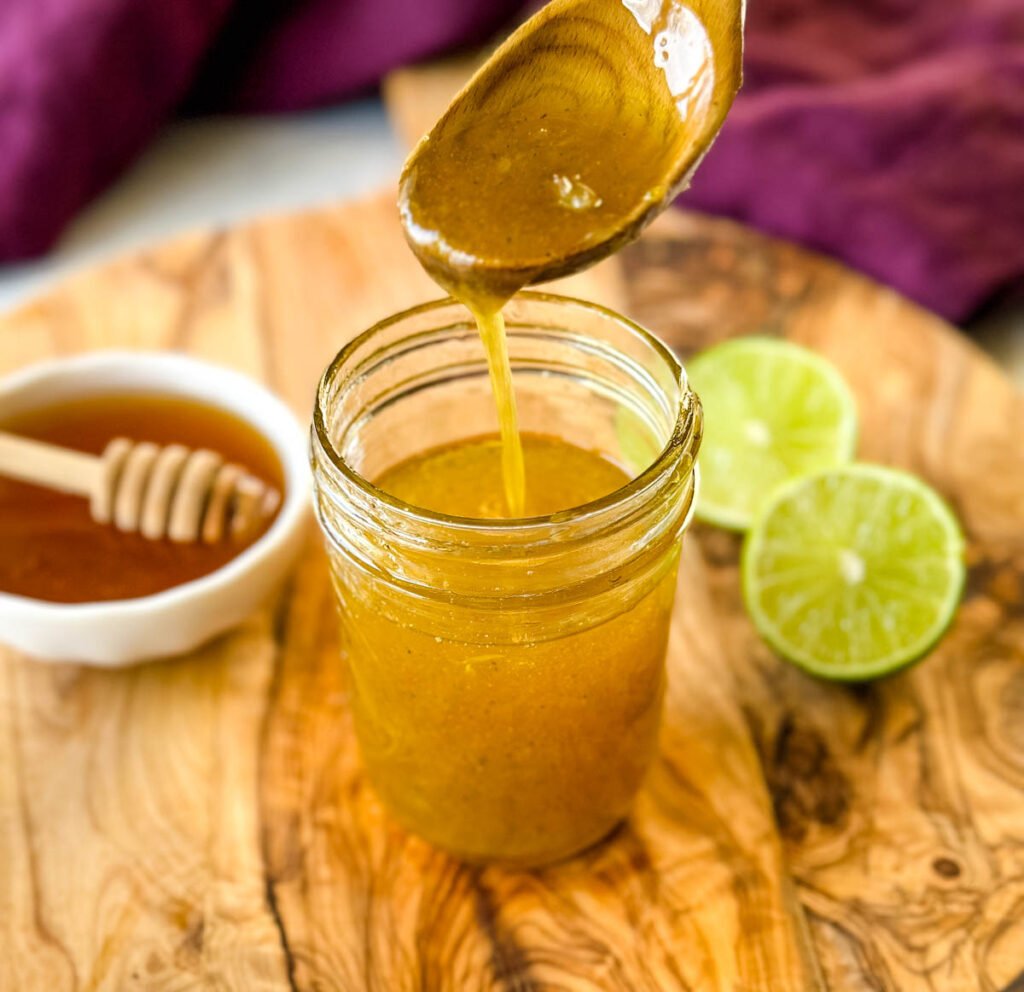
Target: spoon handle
(48, 465)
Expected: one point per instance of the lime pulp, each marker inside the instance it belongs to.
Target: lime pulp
(853, 572)
(773, 410)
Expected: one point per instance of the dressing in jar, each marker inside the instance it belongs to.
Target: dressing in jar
(506, 676)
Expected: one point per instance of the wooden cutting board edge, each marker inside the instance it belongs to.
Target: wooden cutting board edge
(213, 293)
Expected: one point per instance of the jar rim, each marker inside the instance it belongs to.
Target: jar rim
(683, 431)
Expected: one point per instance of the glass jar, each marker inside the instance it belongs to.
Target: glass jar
(506, 676)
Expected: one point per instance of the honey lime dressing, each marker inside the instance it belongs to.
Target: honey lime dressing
(466, 479)
(567, 142)
(510, 188)
(505, 677)
(491, 325)
(506, 681)
(520, 747)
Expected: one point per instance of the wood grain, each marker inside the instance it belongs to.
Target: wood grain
(664, 905)
(204, 822)
(417, 95)
(900, 803)
(129, 855)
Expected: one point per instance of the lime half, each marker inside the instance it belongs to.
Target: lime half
(772, 411)
(853, 572)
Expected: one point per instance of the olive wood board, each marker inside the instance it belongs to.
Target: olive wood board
(204, 822)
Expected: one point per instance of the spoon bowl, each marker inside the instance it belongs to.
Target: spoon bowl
(579, 130)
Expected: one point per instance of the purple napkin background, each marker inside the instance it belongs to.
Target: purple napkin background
(888, 133)
(85, 84)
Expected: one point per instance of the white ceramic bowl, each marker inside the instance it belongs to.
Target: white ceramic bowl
(183, 617)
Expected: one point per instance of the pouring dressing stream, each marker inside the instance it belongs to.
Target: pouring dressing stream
(568, 141)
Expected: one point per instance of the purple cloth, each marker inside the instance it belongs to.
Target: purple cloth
(326, 49)
(84, 84)
(889, 133)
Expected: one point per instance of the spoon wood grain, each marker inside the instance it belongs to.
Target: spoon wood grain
(580, 128)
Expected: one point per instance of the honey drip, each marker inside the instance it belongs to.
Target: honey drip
(491, 325)
(551, 160)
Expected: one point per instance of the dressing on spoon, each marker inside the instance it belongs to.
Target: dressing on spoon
(574, 135)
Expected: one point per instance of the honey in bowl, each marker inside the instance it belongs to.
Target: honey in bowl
(50, 547)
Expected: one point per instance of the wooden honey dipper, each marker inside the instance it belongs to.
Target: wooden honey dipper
(174, 492)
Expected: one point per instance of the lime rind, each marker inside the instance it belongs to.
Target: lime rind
(923, 585)
(797, 397)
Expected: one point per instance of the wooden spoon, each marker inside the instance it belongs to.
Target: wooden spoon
(582, 126)
(160, 492)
